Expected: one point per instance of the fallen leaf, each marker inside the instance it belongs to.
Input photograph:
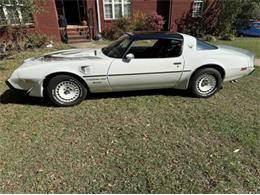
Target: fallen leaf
(236, 151)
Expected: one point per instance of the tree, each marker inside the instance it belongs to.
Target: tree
(250, 11)
(220, 18)
(229, 11)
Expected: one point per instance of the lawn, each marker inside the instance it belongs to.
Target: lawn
(251, 44)
(137, 142)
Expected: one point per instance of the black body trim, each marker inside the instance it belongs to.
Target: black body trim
(9, 84)
(252, 72)
(95, 76)
(145, 73)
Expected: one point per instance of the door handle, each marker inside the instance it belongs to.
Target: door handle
(177, 63)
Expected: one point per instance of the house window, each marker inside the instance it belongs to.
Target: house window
(197, 8)
(115, 9)
(13, 12)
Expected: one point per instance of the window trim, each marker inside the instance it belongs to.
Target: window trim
(113, 3)
(140, 39)
(197, 12)
(18, 9)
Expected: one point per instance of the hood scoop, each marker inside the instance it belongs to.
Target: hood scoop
(73, 54)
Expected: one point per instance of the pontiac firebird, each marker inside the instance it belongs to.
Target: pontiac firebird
(136, 61)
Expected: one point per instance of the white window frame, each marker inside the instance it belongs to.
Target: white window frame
(197, 8)
(18, 9)
(113, 3)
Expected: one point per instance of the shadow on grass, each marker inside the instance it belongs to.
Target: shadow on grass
(12, 96)
(152, 92)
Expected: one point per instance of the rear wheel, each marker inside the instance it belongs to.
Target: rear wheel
(205, 82)
(65, 90)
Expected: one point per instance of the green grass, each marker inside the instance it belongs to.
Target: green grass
(251, 44)
(138, 142)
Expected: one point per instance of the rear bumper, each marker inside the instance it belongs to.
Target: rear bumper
(9, 84)
(252, 71)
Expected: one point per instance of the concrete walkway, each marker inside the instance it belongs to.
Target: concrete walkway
(95, 44)
(90, 44)
(257, 62)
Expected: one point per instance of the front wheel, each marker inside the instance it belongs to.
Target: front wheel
(65, 90)
(205, 82)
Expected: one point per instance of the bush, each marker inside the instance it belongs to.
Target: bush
(227, 37)
(17, 38)
(153, 22)
(117, 29)
(36, 41)
(112, 33)
(138, 22)
(209, 38)
(13, 37)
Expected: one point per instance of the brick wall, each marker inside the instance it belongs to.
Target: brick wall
(46, 22)
(144, 6)
(137, 6)
(179, 9)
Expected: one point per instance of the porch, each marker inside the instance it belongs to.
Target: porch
(77, 25)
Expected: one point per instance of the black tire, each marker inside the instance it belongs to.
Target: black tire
(61, 87)
(212, 81)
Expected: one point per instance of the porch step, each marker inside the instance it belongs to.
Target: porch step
(74, 33)
(86, 36)
(78, 40)
(78, 34)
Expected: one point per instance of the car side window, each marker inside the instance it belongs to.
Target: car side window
(156, 48)
(256, 25)
(202, 45)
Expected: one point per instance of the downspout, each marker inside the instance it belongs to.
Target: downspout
(170, 16)
(98, 16)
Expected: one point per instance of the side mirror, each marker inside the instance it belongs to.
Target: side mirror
(129, 56)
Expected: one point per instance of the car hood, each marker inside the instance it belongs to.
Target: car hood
(70, 54)
(73, 54)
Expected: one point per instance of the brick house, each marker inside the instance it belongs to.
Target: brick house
(97, 13)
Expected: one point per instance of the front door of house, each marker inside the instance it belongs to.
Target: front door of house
(73, 10)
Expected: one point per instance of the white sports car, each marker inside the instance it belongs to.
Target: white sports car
(136, 61)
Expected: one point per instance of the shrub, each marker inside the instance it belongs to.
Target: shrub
(118, 28)
(139, 22)
(36, 41)
(153, 22)
(209, 38)
(112, 33)
(123, 24)
(13, 37)
(227, 37)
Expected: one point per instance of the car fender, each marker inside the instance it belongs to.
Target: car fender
(186, 76)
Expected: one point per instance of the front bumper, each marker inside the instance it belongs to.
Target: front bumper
(32, 87)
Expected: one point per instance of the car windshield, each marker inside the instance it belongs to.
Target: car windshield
(118, 47)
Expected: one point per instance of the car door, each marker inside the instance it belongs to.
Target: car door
(145, 70)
